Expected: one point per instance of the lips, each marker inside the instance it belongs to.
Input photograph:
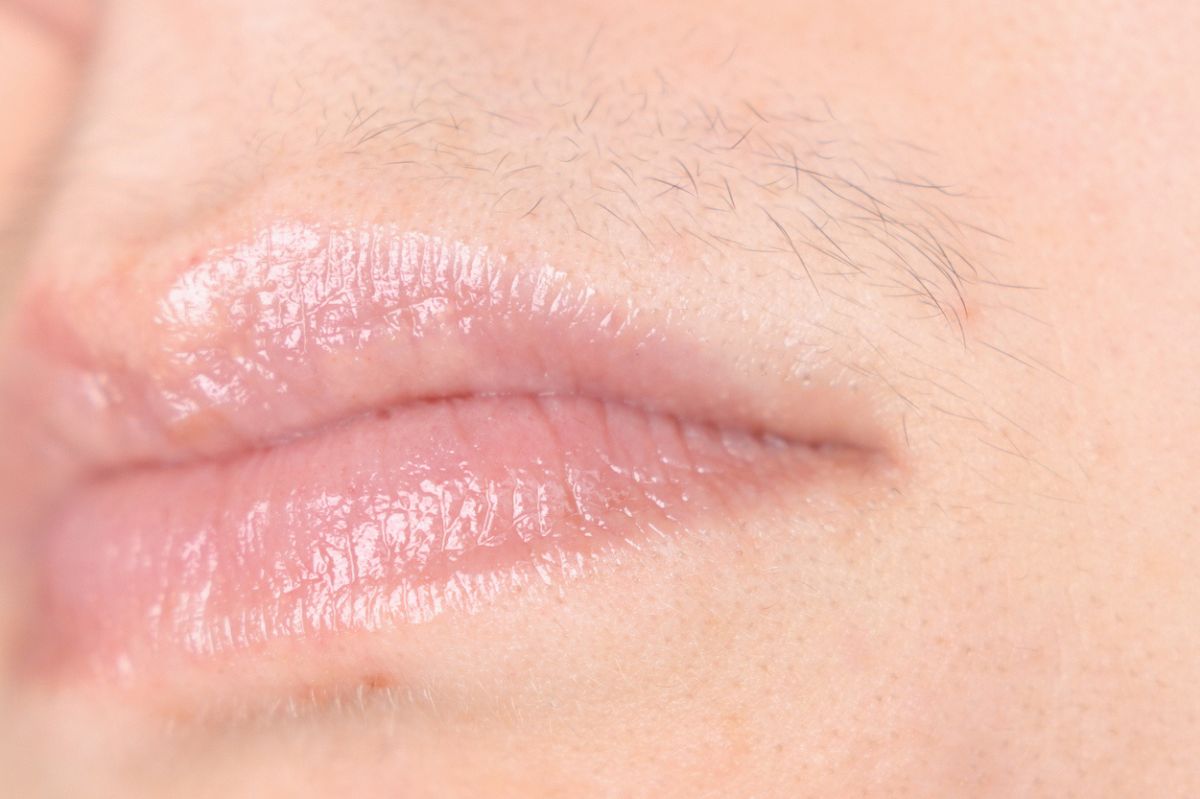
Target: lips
(320, 432)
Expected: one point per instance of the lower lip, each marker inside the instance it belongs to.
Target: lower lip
(385, 520)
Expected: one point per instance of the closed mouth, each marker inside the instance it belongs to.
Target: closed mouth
(323, 432)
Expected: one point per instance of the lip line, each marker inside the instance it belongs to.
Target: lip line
(621, 374)
(838, 449)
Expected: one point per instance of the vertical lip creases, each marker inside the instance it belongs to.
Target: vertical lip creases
(303, 325)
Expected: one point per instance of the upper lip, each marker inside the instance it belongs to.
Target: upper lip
(301, 325)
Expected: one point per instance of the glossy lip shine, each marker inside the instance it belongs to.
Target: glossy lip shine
(328, 431)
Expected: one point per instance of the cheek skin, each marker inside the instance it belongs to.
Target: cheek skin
(37, 79)
(70, 23)
(37, 82)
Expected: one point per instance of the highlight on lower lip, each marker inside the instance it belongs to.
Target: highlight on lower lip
(389, 519)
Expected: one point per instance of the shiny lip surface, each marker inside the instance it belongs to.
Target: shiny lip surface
(322, 431)
(302, 325)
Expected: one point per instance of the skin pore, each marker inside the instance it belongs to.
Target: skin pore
(982, 220)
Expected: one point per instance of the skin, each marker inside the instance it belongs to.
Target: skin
(1014, 617)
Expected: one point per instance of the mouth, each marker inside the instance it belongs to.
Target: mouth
(324, 432)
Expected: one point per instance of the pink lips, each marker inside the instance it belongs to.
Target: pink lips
(321, 431)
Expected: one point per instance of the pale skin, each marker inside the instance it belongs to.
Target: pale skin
(1016, 617)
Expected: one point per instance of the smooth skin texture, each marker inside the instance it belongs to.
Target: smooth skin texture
(1016, 619)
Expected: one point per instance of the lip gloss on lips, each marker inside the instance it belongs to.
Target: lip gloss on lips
(326, 431)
